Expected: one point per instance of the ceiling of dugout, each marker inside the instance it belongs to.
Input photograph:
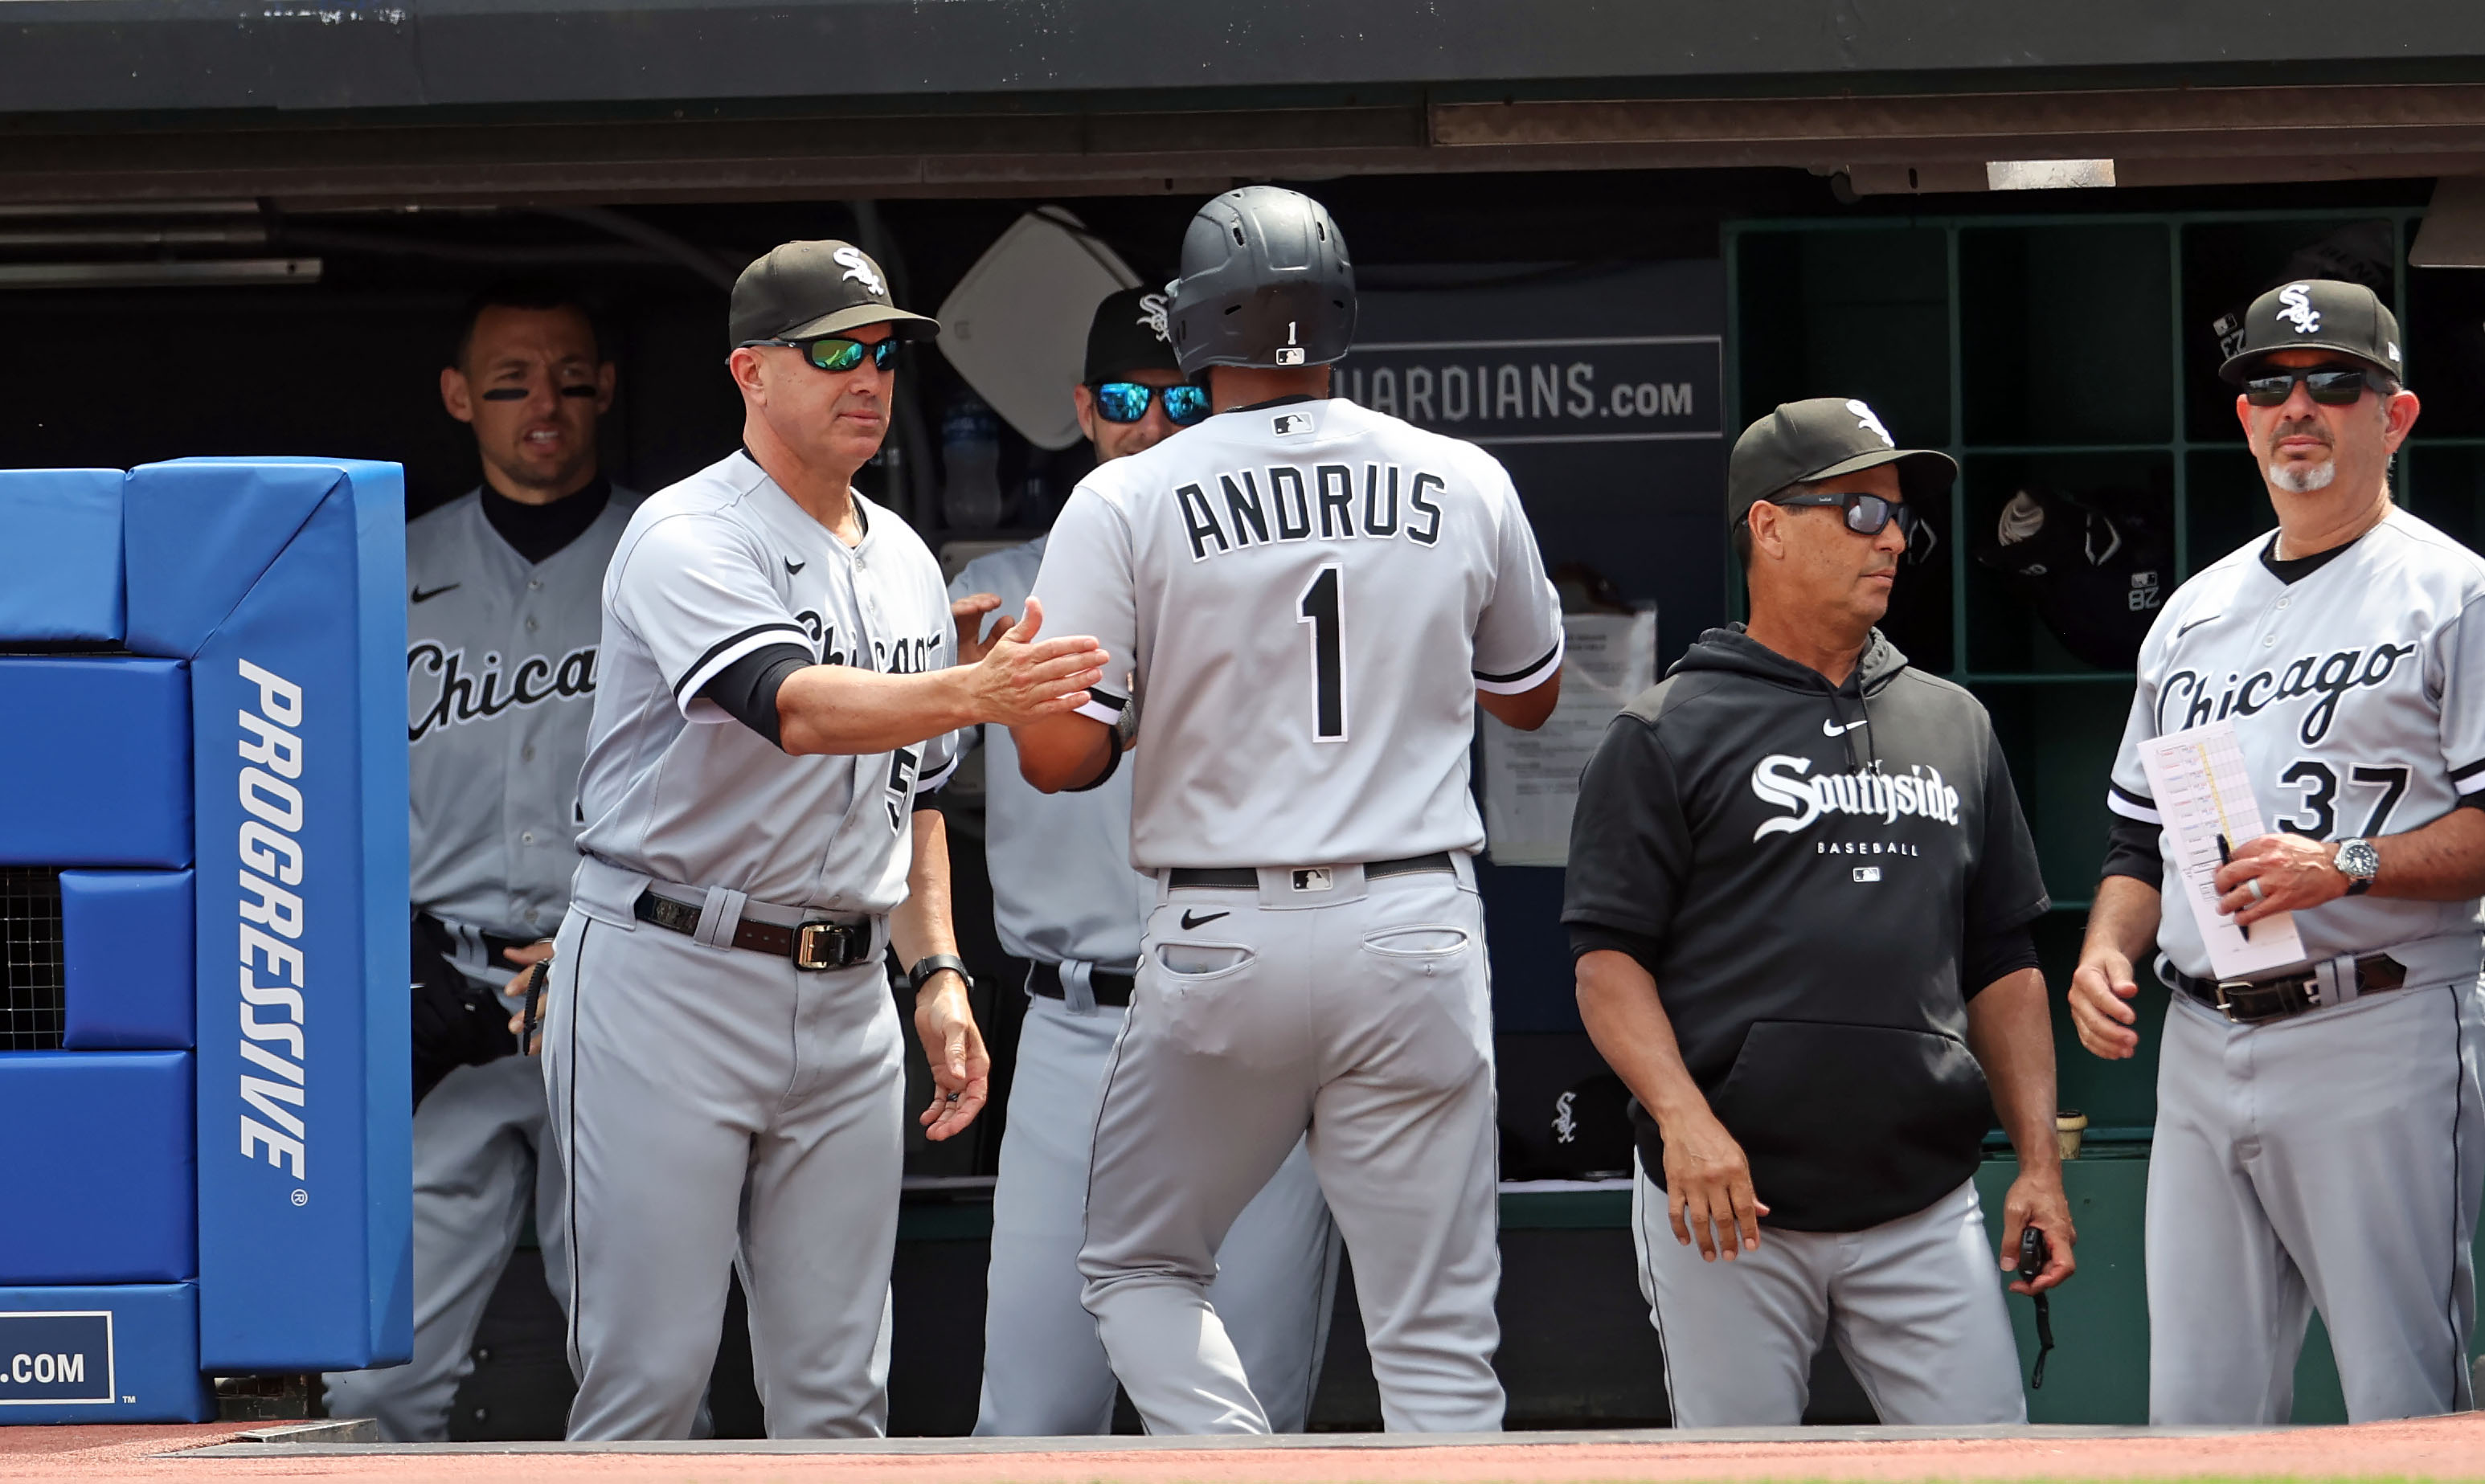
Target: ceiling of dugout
(536, 101)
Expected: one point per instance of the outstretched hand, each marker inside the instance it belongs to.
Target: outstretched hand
(1023, 679)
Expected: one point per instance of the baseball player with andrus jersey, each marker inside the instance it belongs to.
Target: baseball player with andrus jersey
(2320, 1139)
(722, 1051)
(1067, 904)
(1311, 600)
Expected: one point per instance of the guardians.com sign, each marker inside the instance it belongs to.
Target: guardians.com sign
(1620, 388)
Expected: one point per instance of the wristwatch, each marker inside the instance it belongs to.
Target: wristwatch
(2358, 862)
(933, 964)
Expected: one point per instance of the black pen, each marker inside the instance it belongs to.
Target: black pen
(2223, 856)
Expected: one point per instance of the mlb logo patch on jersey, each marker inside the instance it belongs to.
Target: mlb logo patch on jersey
(1867, 873)
(1290, 423)
(1313, 878)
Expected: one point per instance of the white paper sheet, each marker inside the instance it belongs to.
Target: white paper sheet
(1531, 779)
(2205, 794)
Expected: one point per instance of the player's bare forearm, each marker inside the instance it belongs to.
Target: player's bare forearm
(2122, 926)
(1527, 710)
(842, 709)
(2443, 861)
(2010, 1029)
(953, 1044)
(1707, 1178)
(1068, 752)
(920, 926)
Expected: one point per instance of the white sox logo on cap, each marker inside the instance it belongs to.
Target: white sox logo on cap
(2295, 305)
(859, 268)
(1152, 314)
(1867, 419)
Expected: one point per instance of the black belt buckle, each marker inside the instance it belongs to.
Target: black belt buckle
(826, 945)
(2225, 1006)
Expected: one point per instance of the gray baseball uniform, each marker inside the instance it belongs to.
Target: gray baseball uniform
(1309, 595)
(2333, 1159)
(716, 1105)
(1064, 894)
(500, 680)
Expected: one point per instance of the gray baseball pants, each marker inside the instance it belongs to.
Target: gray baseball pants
(1361, 1012)
(479, 1159)
(1914, 1305)
(717, 1106)
(1044, 1370)
(2330, 1161)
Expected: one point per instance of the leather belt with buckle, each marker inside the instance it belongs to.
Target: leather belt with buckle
(2253, 1001)
(1112, 989)
(814, 945)
(1246, 878)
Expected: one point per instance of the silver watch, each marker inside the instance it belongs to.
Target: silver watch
(2358, 862)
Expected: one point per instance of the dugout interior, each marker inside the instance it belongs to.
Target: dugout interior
(2064, 339)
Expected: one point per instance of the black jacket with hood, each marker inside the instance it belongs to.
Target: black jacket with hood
(1800, 865)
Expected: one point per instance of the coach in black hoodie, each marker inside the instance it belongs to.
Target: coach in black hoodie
(1800, 892)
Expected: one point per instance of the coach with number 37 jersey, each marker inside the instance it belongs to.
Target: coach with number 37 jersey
(2320, 1135)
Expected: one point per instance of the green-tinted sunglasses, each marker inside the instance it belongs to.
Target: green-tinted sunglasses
(836, 353)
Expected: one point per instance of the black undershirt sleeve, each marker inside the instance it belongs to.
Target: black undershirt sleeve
(2131, 850)
(1987, 958)
(747, 688)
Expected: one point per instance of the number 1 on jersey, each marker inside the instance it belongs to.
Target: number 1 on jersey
(1321, 609)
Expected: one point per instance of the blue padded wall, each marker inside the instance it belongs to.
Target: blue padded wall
(97, 1165)
(119, 1353)
(131, 956)
(282, 581)
(97, 755)
(60, 556)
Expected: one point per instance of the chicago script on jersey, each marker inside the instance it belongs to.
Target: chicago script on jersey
(1281, 503)
(463, 698)
(2187, 692)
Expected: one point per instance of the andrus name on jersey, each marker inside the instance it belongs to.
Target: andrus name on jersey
(1779, 780)
(536, 680)
(2187, 692)
(1285, 503)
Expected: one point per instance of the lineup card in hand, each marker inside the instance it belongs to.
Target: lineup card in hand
(2206, 797)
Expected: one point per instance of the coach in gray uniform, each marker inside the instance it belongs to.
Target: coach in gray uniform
(1066, 901)
(723, 1053)
(2320, 1132)
(1799, 899)
(500, 637)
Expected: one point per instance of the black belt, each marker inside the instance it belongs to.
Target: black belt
(1112, 989)
(814, 945)
(2251, 1001)
(1247, 876)
(494, 945)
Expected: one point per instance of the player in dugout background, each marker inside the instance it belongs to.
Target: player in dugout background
(501, 619)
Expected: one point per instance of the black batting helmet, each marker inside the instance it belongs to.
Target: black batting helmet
(1264, 281)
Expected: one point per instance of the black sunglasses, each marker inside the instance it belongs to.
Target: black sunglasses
(1866, 514)
(2331, 385)
(1127, 402)
(836, 353)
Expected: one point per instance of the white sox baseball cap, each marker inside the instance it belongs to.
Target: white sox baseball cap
(803, 289)
(2318, 314)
